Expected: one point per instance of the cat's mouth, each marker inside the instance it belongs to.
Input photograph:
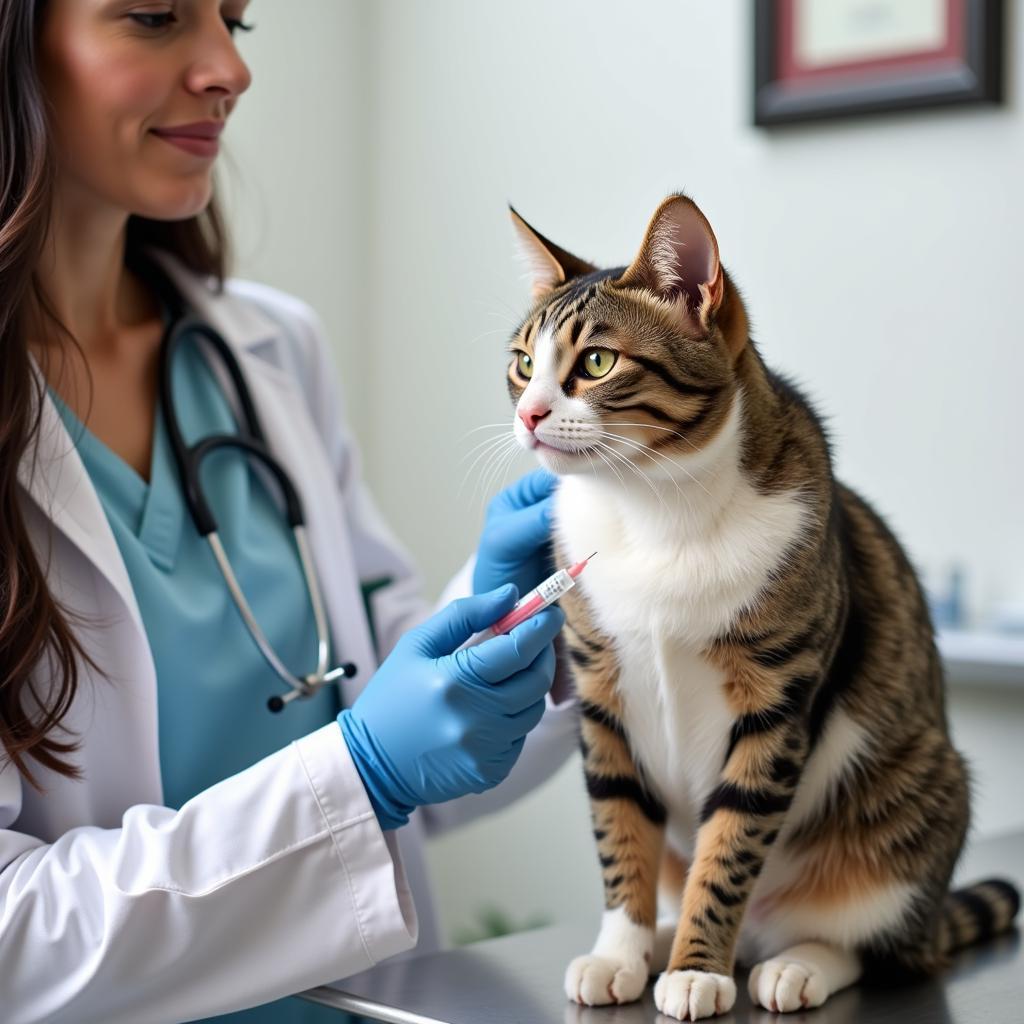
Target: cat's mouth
(540, 445)
(560, 457)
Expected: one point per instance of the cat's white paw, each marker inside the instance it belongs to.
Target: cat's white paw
(782, 985)
(599, 980)
(694, 995)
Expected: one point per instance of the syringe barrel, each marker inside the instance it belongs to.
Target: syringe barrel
(552, 588)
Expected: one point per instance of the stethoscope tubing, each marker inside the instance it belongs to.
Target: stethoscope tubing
(180, 324)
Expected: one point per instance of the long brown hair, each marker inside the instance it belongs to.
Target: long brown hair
(32, 623)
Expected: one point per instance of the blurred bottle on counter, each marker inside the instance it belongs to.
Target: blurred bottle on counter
(946, 601)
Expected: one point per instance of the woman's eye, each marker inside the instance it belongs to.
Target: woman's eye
(525, 365)
(598, 361)
(154, 20)
(165, 18)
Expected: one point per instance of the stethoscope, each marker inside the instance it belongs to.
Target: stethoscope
(179, 323)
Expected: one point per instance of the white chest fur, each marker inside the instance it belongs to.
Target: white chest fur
(673, 569)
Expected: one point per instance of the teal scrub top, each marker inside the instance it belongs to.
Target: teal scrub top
(212, 680)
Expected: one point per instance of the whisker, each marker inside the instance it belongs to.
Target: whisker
(608, 462)
(483, 458)
(513, 312)
(636, 446)
(499, 470)
(487, 334)
(635, 470)
(496, 446)
(482, 484)
(504, 316)
(653, 452)
(493, 448)
(485, 426)
(651, 426)
(482, 444)
(497, 457)
(640, 449)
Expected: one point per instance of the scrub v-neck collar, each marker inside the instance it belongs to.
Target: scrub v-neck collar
(154, 511)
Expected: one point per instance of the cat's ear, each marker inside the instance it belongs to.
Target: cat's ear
(678, 261)
(549, 266)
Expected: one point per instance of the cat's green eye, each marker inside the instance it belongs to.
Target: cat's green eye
(525, 365)
(598, 361)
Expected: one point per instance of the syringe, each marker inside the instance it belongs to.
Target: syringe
(540, 597)
(554, 587)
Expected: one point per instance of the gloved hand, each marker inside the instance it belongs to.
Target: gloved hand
(434, 722)
(515, 544)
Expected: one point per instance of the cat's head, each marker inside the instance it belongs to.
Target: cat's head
(631, 365)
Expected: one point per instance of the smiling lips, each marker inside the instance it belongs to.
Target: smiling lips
(199, 138)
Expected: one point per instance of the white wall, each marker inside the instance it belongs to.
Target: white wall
(880, 260)
(297, 169)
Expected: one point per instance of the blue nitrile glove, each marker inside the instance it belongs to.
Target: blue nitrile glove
(515, 546)
(434, 722)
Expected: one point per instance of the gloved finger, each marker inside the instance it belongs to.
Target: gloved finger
(521, 533)
(495, 660)
(454, 624)
(519, 691)
(511, 755)
(528, 719)
(527, 490)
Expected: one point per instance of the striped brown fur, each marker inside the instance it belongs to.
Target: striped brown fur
(831, 646)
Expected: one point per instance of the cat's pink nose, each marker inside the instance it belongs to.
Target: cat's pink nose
(531, 417)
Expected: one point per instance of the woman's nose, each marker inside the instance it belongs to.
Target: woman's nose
(220, 68)
(532, 416)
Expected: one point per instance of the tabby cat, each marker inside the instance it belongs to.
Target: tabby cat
(763, 713)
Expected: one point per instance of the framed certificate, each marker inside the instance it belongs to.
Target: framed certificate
(817, 59)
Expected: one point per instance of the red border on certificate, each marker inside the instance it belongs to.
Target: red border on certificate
(790, 72)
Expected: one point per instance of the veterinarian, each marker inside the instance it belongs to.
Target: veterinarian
(179, 837)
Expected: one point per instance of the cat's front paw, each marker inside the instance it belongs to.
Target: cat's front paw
(694, 995)
(783, 985)
(599, 980)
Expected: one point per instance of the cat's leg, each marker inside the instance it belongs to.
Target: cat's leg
(671, 883)
(802, 976)
(629, 829)
(740, 821)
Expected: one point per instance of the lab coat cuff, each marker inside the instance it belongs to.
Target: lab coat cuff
(373, 871)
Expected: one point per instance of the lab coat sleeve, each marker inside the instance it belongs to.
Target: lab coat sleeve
(272, 881)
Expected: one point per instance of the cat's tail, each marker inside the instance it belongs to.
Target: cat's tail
(977, 913)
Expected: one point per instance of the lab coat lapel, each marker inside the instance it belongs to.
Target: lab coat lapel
(243, 325)
(55, 478)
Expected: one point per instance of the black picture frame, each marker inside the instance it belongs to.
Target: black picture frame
(976, 78)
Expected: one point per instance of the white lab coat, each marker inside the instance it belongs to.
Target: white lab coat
(115, 908)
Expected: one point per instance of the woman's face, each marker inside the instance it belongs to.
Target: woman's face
(120, 76)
